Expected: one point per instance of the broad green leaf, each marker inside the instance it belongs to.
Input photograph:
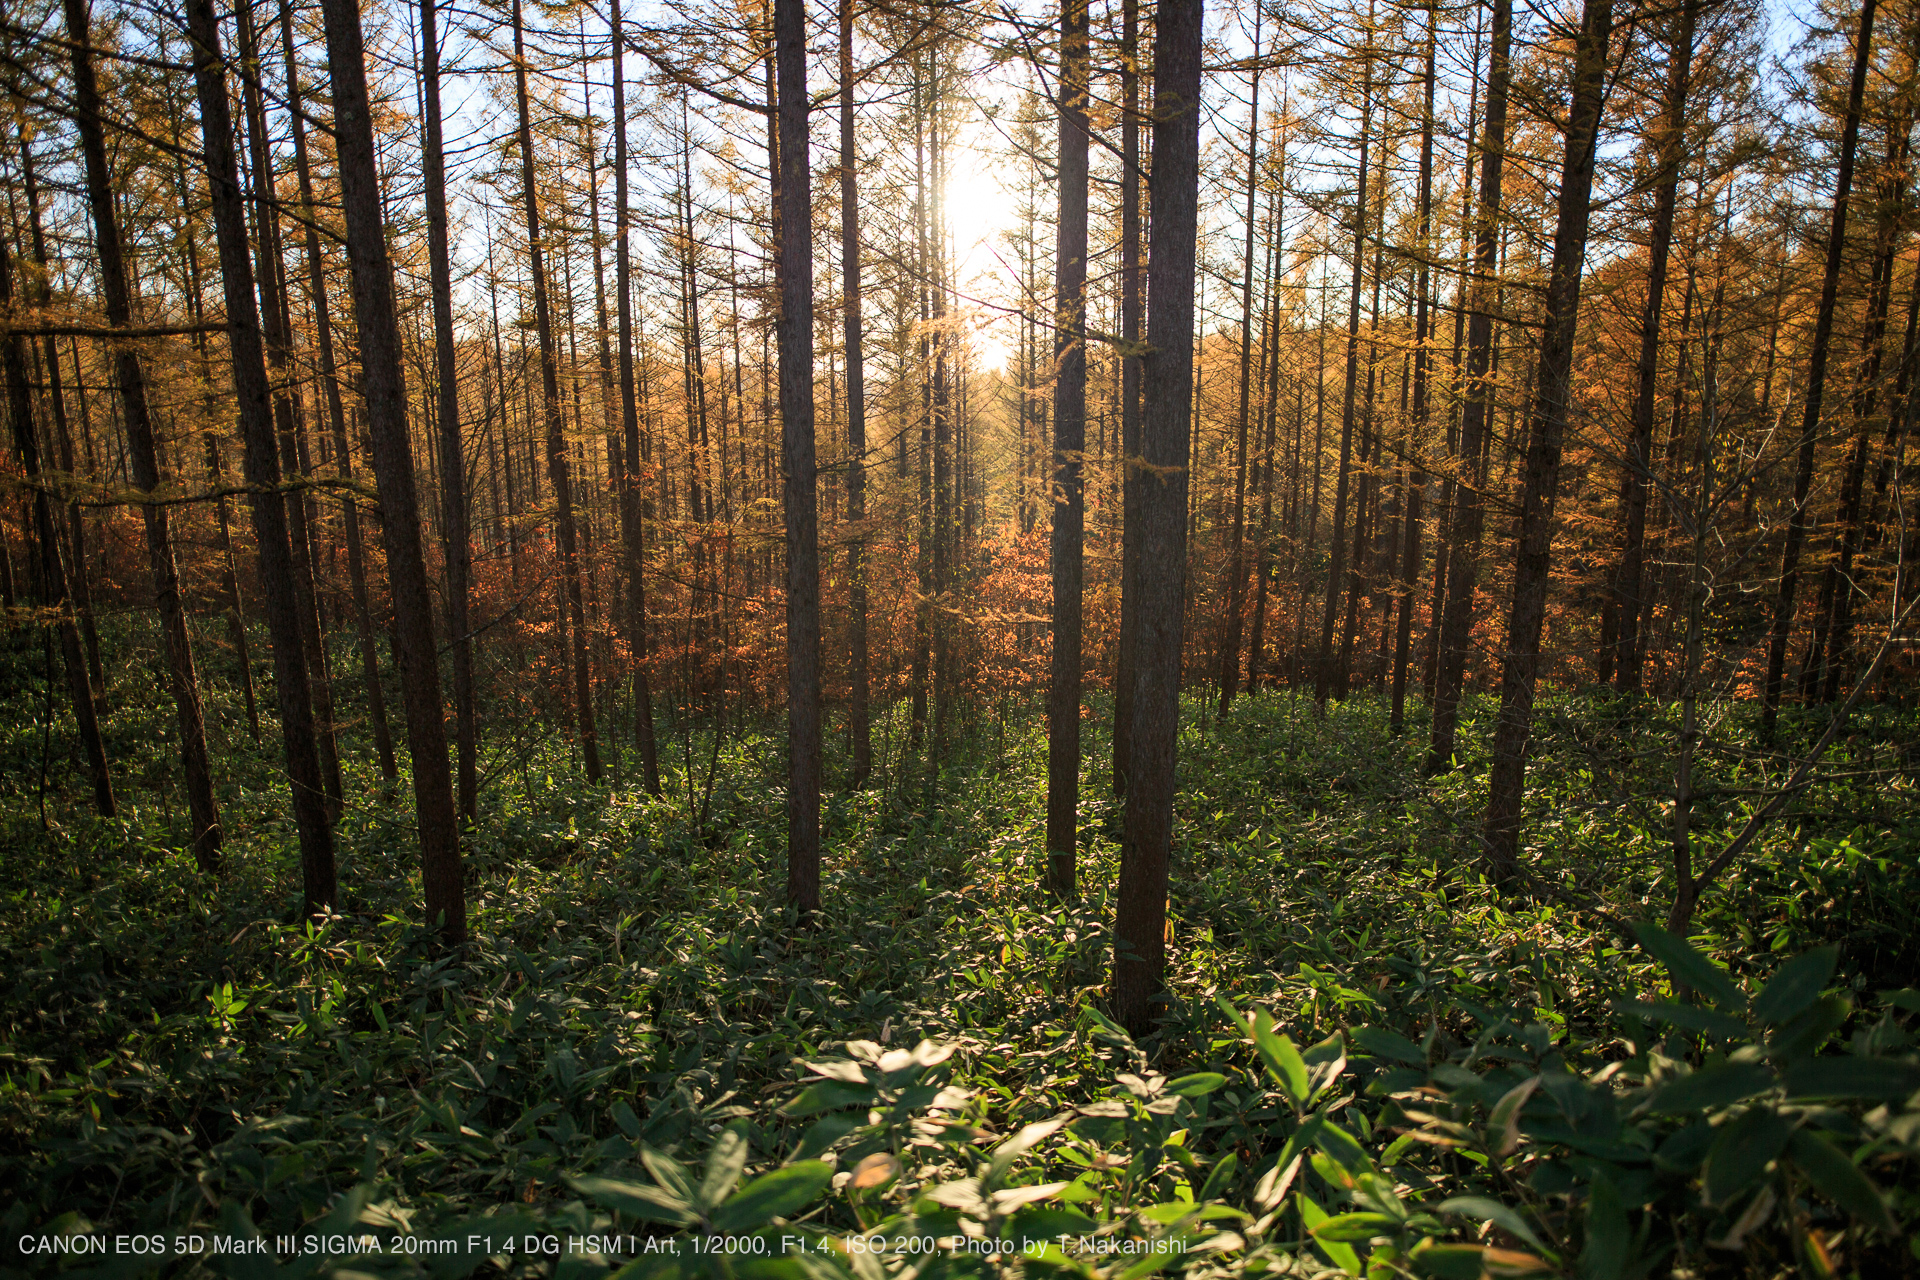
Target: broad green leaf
(1794, 986)
(1340, 1253)
(1742, 1150)
(772, 1195)
(823, 1133)
(1802, 1036)
(1690, 967)
(1196, 1085)
(1342, 1146)
(1382, 1043)
(1048, 1222)
(828, 1095)
(1690, 1016)
(1871, 1078)
(1720, 1085)
(1355, 1227)
(636, 1200)
(1283, 1061)
(1609, 1244)
(1500, 1215)
(1839, 1179)
(724, 1165)
(1449, 1262)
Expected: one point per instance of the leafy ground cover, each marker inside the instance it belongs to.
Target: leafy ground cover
(1374, 1064)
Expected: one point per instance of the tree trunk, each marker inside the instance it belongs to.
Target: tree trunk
(559, 473)
(1067, 495)
(53, 573)
(143, 452)
(276, 328)
(1532, 569)
(1468, 518)
(453, 481)
(1669, 149)
(253, 401)
(385, 394)
(1408, 586)
(1131, 319)
(1337, 567)
(793, 197)
(632, 526)
(1139, 935)
(1816, 377)
(1236, 554)
(857, 710)
(336, 413)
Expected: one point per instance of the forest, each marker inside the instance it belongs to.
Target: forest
(899, 639)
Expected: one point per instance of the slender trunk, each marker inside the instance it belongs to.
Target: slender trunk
(1067, 491)
(276, 329)
(336, 413)
(1635, 472)
(253, 401)
(63, 439)
(143, 452)
(1236, 554)
(1139, 934)
(793, 198)
(1132, 317)
(1422, 388)
(1532, 569)
(453, 479)
(53, 572)
(854, 339)
(632, 525)
(384, 391)
(1817, 377)
(1468, 518)
(559, 472)
(1337, 568)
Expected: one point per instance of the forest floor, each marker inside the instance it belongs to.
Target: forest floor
(182, 1057)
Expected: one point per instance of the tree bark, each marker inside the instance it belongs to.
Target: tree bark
(384, 391)
(1408, 587)
(336, 413)
(1139, 936)
(1468, 519)
(632, 526)
(1635, 472)
(854, 339)
(453, 479)
(143, 453)
(1237, 541)
(793, 198)
(1336, 568)
(559, 472)
(1132, 317)
(261, 460)
(1816, 377)
(1532, 568)
(1067, 496)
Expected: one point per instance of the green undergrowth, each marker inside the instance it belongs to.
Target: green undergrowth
(1374, 1063)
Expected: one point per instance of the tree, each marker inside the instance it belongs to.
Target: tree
(261, 461)
(1468, 518)
(382, 388)
(1801, 516)
(793, 199)
(1546, 434)
(453, 473)
(1139, 932)
(142, 452)
(1068, 499)
(632, 528)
